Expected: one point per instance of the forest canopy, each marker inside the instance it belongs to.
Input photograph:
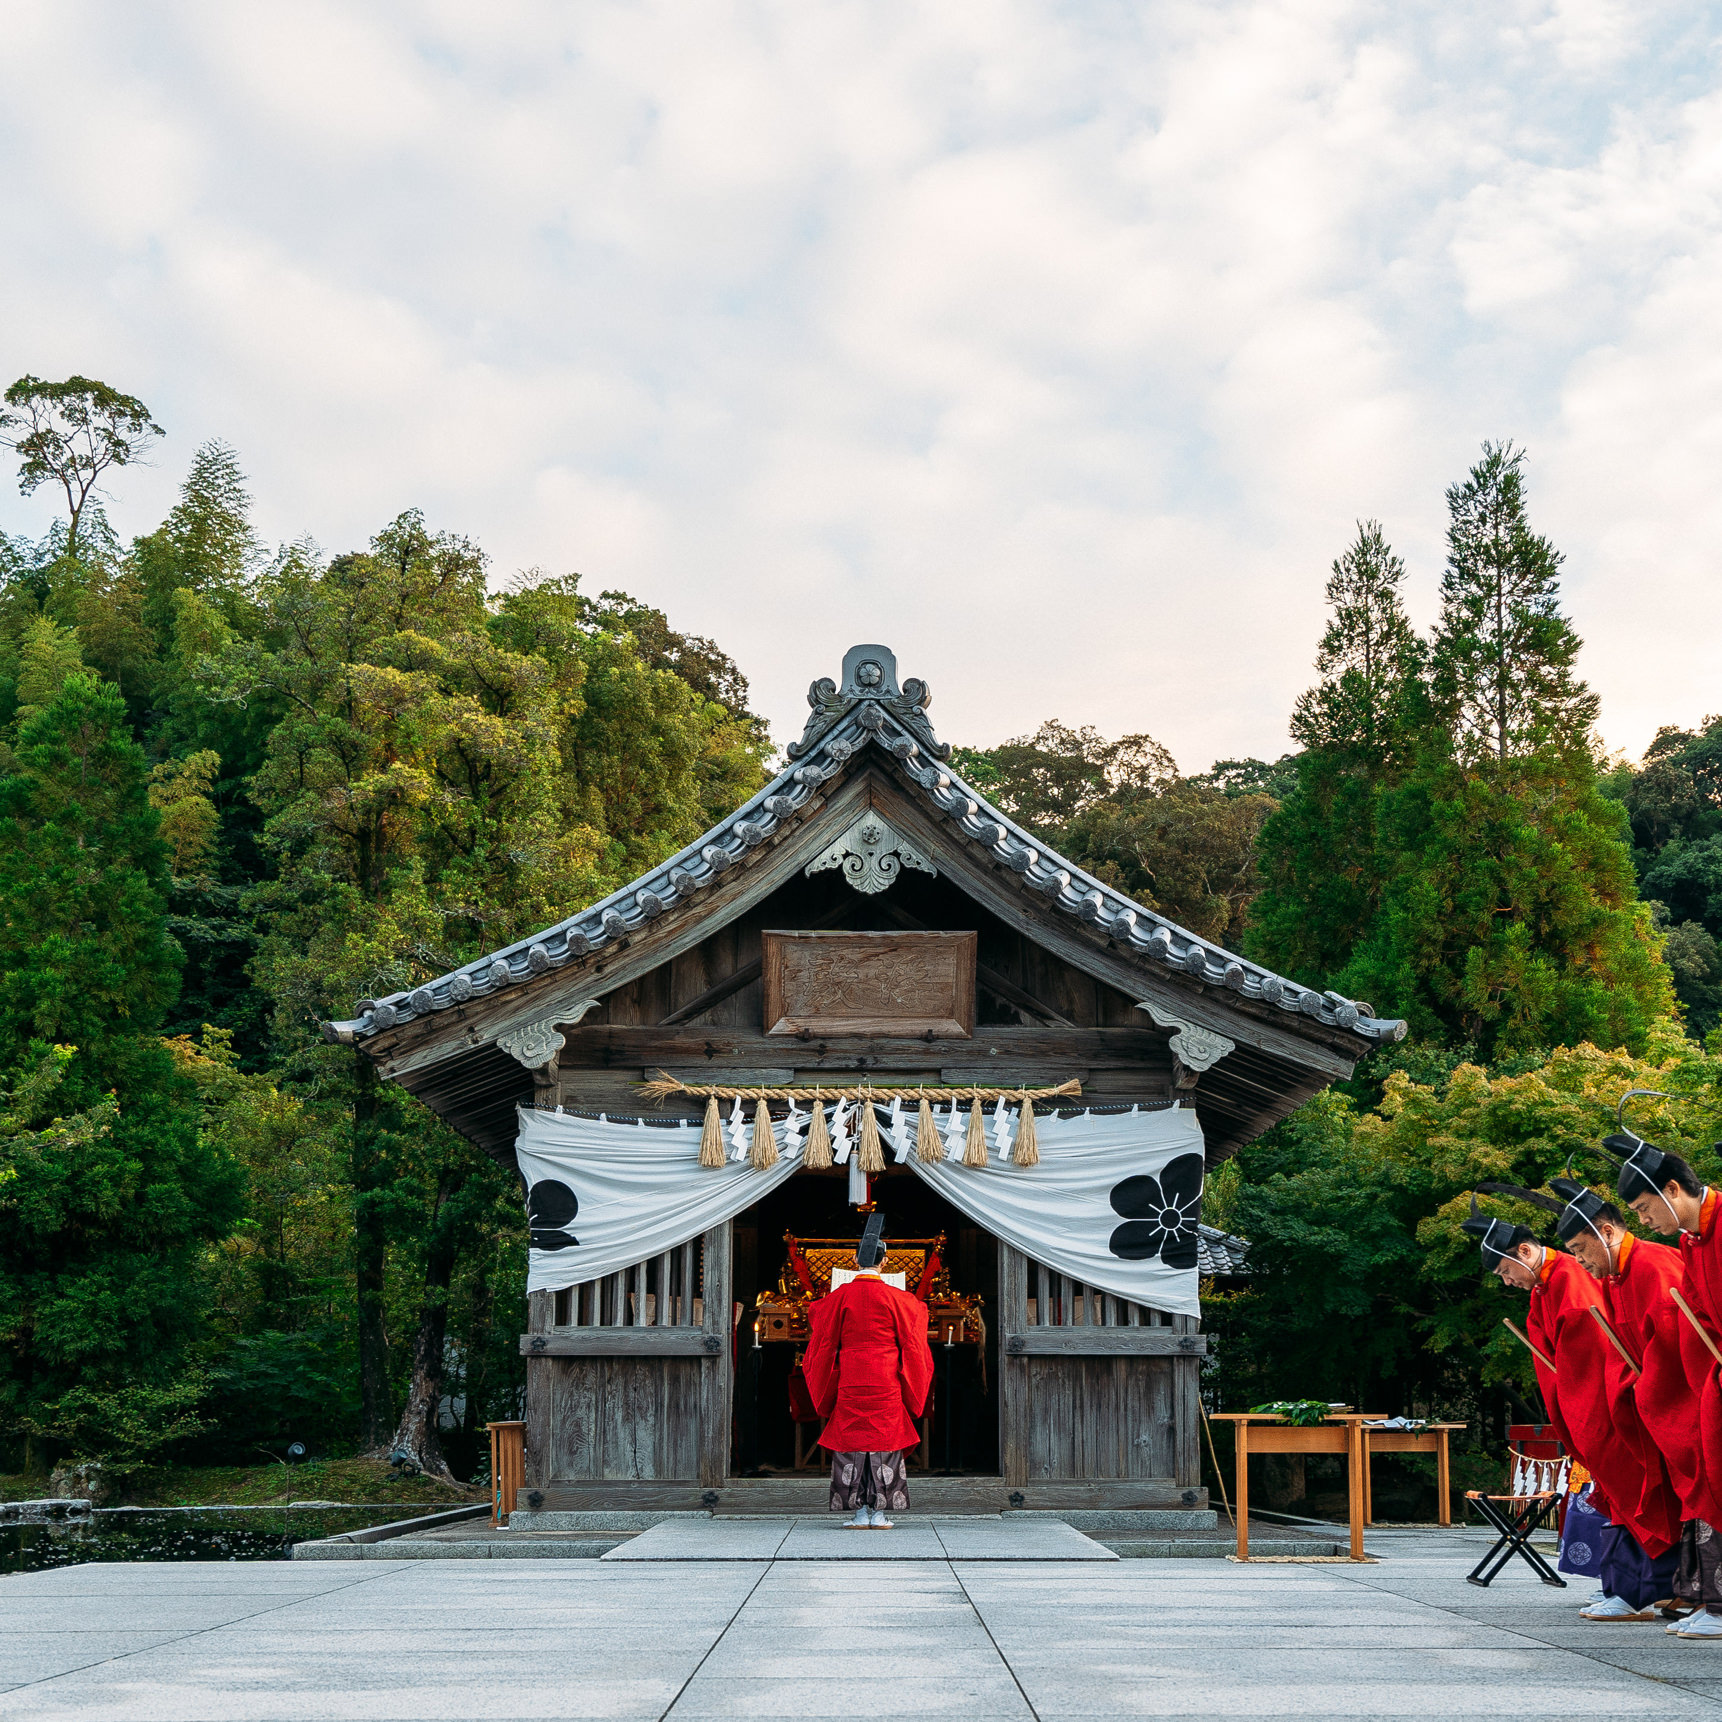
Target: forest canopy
(243, 786)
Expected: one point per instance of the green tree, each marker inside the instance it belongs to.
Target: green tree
(1275, 778)
(1187, 851)
(1181, 846)
(1695, 962)
(1509, 918)
(115, 1197)
(69, 434)
(1673, 798)
(1368, 658)
(446, 773)
(206, 545)
(1049, 779)
(1503, 654)
(46, 655)
(1321, 855)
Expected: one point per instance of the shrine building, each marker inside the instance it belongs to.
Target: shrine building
(903, 1001)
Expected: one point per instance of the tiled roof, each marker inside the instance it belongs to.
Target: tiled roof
(868, 710)
(1220, 1252)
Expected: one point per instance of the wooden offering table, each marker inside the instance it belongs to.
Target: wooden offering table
(1431, 1438)
(1267, 1432)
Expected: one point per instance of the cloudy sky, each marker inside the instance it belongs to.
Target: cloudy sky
(1057, 346)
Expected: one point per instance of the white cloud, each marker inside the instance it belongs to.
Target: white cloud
(1058, 346)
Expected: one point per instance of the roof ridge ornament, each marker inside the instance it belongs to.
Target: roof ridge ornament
(869, 681)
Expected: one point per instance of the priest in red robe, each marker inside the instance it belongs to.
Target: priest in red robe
(869, 1368)
(1679, 1397)
(1581, 1392)
(1634, 1277)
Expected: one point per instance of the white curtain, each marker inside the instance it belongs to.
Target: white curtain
(1113, 1203)
(602, 1196)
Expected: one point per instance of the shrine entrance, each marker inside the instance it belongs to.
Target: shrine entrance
(773, 1432)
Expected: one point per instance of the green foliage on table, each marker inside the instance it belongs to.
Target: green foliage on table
(1301, 1413)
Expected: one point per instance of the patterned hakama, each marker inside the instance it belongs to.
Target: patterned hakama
(869, 1480)
(1699, 1579)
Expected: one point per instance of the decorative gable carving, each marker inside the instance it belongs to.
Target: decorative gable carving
(871, 855)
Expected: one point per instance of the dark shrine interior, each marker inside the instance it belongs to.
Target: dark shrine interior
(963, 1435)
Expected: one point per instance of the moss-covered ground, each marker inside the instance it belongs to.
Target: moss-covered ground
(357, 1480)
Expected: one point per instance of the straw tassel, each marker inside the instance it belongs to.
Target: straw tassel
(763, 1155)
(975, 1147)
(872, 1149)
(1027, 1148)
(711, 1138)
(818, 1155)
(928, 1147)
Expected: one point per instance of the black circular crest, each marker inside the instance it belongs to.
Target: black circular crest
(550, 1207)
(1160, 1214)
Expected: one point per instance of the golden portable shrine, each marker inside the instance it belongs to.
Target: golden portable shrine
(866, 924)
(917, 1265)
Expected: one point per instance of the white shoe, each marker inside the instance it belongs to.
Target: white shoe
(1596, 1596)
(1678, 1622)
(1616, 1608)
(862, 1521)
(880, 1522)
(1703, 1624)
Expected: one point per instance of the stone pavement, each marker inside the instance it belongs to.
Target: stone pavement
(913, 1539)
(419, 1641)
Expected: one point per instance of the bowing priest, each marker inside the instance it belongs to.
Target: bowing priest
(1581, 1392)
(1679, 1398)
(869, 1369)
(1638, 1569)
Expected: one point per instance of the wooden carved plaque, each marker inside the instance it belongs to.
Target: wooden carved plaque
(870, 983)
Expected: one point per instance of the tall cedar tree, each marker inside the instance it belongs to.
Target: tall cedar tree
(1509, 919)
(1321, 855)
(103, 1298)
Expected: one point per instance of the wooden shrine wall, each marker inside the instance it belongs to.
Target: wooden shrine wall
(1096, 1391)
(628, 1385)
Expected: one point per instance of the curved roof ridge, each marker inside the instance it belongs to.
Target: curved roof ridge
(868, 709)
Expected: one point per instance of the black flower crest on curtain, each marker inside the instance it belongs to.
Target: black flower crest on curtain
(1160, 1214)
(550, 1208)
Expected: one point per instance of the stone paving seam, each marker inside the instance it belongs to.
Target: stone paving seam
(693, 1672)
(1358, 1577)
(986, 1627)
(183, 1637)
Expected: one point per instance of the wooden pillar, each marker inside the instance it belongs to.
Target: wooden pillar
(540, 1318)
(506, 1473)
(717, 1370)
(1443, 1484)
(1013, 1371)
(1242, 1426)
(1186, 1421)
(1357, 1458)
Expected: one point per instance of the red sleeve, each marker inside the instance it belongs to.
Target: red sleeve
(819, 1364)
(915, 1355)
